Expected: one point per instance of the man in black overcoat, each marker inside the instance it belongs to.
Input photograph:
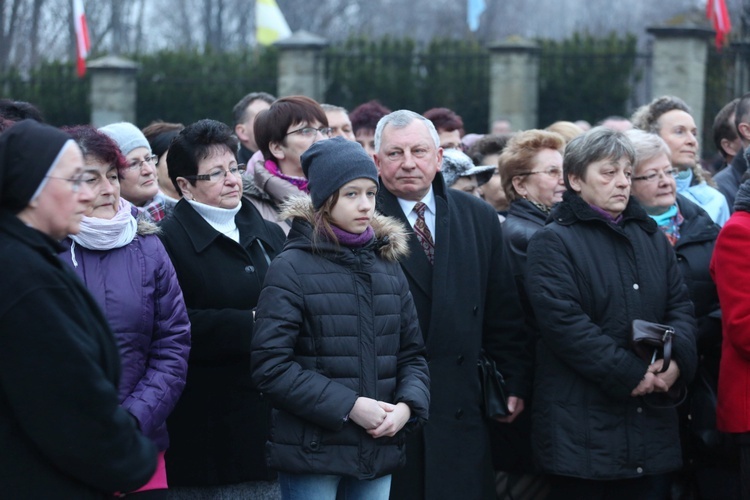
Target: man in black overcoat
(466, 300)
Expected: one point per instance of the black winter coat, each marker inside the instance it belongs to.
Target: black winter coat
(694, 249)
(523, 221)
(728, 179)
(63, 433)
(466, 301)
(588, 279)
(219, 427)
(333, 324)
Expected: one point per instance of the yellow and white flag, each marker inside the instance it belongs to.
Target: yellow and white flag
(270, 24)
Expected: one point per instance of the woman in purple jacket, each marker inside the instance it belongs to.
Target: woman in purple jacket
(126, 269)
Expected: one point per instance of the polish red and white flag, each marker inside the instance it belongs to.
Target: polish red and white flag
(717, 13)
(83, 45)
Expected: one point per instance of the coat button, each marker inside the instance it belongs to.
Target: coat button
(476, 310)
(249, 269)
(639, 409)
(459, 413)
(635, 286)
(460, 359)
(639, 470)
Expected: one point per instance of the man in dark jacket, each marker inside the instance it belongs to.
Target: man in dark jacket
(244, 114)
(731, 146)
(466, 300)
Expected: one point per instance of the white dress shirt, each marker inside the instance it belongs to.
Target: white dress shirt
(429, 215)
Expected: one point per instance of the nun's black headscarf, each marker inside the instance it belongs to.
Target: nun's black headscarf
(28, 152)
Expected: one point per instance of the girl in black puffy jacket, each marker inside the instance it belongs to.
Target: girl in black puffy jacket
(337, 347)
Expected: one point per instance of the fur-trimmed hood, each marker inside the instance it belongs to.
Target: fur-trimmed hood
(391, 236)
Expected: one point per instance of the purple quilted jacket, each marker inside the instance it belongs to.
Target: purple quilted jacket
(137, 289)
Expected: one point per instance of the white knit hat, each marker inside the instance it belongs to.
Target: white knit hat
(127, 136)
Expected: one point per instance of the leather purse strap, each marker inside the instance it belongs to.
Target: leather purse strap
(667, 350)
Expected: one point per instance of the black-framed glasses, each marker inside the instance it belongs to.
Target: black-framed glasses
(671, 172)
(75, 181)
(553, 172)
(219, 174)
(137, 162)
(312, 131)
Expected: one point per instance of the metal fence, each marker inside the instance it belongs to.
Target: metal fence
(405, 75)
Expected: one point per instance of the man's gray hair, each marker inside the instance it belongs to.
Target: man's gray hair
(647, 146)
(597, 144)
(401, 119)
(331, 107)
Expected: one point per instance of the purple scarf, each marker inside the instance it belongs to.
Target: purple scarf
(606, 214)
(353, 240)
(299, 182)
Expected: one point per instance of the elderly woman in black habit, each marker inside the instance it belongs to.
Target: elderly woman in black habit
(598, 264)
(63, 433)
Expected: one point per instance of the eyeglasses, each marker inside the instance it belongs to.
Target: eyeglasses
(654, 175)
(553, 172)
(312, 131)
(75, 182)
(136, 163)
(219, 174)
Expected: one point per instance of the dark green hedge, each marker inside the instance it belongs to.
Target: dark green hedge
(188, 86)
(54, 88)
(585, 78)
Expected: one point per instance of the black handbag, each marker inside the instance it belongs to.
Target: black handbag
(650, 339)
(494, 399)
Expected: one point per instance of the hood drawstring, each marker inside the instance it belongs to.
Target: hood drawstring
(73, 253)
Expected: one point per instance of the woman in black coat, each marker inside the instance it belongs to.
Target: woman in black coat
(531, 169)
(63, 432)
(337, 347)
(221, 248)
(598, 265)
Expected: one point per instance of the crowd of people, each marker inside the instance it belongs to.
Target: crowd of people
(294, 307)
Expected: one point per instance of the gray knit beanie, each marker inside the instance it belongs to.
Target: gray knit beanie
(330, 164)
(127, 136)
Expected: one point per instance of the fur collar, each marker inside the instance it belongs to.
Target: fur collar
(391, 235)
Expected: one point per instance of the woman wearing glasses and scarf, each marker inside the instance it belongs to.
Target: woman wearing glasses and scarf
(283, 132)
(221, 248)
(138, 182)
(125, 267)
(711, 471)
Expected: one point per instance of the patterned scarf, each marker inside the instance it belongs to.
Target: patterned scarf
(669, 222)
(299, 182)
(541, 206)
(155, 210)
